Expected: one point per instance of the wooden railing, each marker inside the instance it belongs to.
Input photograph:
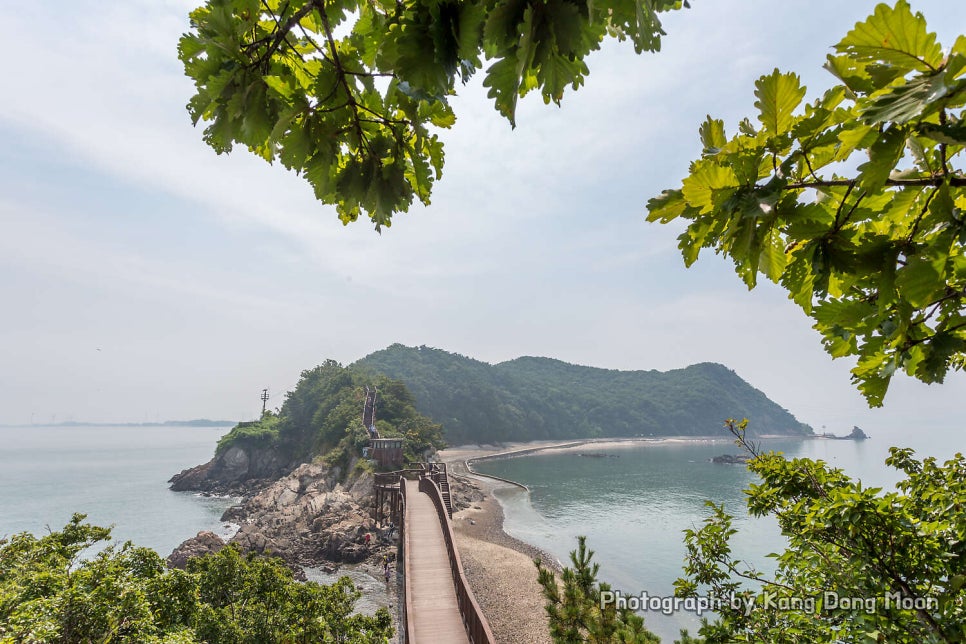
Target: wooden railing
(437, 472)
(408, 625)
(476, 625)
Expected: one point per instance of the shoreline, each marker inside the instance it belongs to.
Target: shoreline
(499, 567)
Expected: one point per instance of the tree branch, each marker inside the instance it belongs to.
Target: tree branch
(955, 182)
(340, 71)
(922, 213)
(282, 31)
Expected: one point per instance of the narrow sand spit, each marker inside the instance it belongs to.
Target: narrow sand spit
(500, 570)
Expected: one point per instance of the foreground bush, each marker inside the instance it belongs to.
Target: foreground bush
(53, 590)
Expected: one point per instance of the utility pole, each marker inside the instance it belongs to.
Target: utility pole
(264, 400)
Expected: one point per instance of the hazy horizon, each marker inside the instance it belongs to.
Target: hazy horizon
(147, 276)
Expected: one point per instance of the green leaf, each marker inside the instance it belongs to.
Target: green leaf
(699, 189)
(950, 134)
(913, 100)
(647, 36)
(872, 375)
(896, 37)
(883, 157)
(472, 16)
(280, 86)
(504, 84)
(798, 281)
(920, 281)
(779, 95)
(772, 261)
(712, 135)
(666, 207)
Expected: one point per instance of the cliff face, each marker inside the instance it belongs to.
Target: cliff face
(237, 471)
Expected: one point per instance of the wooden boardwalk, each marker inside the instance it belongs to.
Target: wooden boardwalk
(430, 590)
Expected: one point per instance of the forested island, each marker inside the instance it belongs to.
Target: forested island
(310, 453)
(197, 422)
(541, 398)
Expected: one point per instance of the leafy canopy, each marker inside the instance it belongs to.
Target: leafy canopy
(901, 553)
(51, 592)
(854, 203)
(351, 94)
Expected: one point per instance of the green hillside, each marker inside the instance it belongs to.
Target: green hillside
(541, 398)
(321, 416)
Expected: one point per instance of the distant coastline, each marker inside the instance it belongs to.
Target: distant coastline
(198, 422)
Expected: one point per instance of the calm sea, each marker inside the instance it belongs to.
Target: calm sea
(634, 503)
(116, 475)
(632, 506)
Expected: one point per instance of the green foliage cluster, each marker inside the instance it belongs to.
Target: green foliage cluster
(876, 258)
(259, 433)
(49, 592)
(540, 398)
(905, 550)
(350, 94)
(574, 605)
(322, 417)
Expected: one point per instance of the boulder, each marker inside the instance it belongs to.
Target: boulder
(201, 544)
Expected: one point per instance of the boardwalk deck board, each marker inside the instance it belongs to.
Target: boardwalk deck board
(436, 614)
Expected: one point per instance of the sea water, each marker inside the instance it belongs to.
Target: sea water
(116, 475)
(633, 503)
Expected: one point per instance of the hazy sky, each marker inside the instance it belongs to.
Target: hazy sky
(145, 277)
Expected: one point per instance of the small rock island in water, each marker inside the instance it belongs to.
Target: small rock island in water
(731, 459)
(855, 435)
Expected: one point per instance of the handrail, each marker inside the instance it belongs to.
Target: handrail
(473, 620)
(408, 626)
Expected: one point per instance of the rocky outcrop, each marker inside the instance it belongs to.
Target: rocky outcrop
(238, 470)
(855, 435)
(309, 517)
(307, 514)
(464, 492)
(204, 543)
(208, 543)
(731, 459)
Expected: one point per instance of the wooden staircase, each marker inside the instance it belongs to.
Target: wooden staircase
(444, 492)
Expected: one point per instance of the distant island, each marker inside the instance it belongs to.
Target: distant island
(198, 422)
(531, 398)
(855, 435)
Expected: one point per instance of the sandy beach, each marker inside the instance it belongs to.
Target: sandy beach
(501, 572)
(500, 568)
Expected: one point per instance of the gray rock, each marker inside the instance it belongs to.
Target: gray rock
(306, 517)
(201, 544)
